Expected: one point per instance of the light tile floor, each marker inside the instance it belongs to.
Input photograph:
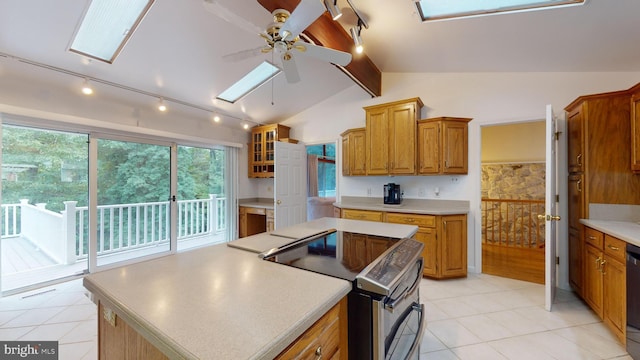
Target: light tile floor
(480, 317)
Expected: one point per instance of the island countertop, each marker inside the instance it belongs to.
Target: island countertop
(218, 302)
(413, 206)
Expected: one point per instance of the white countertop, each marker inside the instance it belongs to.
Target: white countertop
(266, 241)
(260, 203)
(217, 302)
(624, 230)
(413, 206)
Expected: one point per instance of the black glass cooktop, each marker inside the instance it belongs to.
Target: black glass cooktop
(340, 254)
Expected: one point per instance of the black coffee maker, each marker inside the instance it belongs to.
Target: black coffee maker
(392, 194)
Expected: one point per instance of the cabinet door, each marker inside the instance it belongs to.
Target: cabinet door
(376, 247)
(377, 141)
(346, 153)
(453, 246)
(402, 139)
(576, 258)
(357, 150)
(575, 140)
(427, 236)
(429, 148)
(576, 200)
(454, 147)
(242, 222)
(615, 296)
(270, 220)
(593, 285)
(635, 132)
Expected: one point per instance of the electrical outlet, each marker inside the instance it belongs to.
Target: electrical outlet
(368, 191)
(422, 192)
(455, 179)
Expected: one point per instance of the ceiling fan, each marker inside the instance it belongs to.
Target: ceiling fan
(282, 36)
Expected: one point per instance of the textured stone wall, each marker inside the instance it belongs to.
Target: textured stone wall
(513, 223)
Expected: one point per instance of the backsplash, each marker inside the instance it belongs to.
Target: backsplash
(614, 212)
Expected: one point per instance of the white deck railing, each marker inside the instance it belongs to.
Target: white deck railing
(120, 228)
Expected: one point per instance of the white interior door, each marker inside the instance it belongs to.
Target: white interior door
(550, 210)
(290, 184)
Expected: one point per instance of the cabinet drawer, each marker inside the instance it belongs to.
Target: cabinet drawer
(362, 215)
(412, 219)
(252, 210)
(615, 248)
(593, 237)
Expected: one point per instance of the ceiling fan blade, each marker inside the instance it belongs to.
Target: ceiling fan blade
(323, 53)
(246, 54)
(290, 68)
(302, 16)
(229, 16)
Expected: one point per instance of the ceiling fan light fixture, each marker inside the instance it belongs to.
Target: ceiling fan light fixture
(333, 9)
(357, 40)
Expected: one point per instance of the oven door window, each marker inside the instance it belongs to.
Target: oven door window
(406, 336)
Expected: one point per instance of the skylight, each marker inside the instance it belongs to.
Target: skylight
(258, 76)
(447, 9)
(106, 27)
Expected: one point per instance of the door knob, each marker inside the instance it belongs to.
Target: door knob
(278, 202)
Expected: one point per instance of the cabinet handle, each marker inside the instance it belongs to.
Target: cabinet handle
(602, 264)
(579, 159)
(319, 353)
(598, 262)
(579, 185)
(614, 248)
(592, 238)
(411, 220)
(445, 225)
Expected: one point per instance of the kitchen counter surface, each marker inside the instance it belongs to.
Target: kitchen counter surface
(260, 203)
(624, 230)
(266, 241)
(413, 206)
(220, 302)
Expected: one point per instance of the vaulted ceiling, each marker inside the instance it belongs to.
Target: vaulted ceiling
(177, 50)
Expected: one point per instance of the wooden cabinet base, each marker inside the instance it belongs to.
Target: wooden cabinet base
(119, 341)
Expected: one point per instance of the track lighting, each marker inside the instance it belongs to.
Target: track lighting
(333, 9)
(161, 106)
(86, 88)
(245, 126)
(216, 118)
(357, 40)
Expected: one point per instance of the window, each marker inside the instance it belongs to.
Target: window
(326, 154)
(258, 76)
(448, 9)
(106, 27)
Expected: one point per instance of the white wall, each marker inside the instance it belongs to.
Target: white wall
(488, 98)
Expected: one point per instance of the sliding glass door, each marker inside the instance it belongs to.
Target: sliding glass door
(133, 218)
(44, 193)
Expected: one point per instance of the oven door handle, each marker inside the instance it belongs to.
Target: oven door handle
(418, 340)
(392, 304)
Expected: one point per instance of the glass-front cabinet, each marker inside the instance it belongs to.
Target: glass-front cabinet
(262, 153)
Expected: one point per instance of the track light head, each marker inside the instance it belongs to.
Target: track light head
(357, 40)
(161, 106)
(333, 9)
(86, 88)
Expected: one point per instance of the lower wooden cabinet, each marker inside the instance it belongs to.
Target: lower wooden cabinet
(119, 341)
(270, 220)
(444, 238)
(605, 279)
(254, 220)
(326, 339)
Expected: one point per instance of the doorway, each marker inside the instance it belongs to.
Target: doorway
(512, 197)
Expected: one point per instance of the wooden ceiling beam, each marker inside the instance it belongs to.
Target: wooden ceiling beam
(326, 32)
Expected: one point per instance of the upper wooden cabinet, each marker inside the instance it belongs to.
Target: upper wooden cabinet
(353, 152)
(635, 128)
(391, 137)
(443, 145)
(262, 149)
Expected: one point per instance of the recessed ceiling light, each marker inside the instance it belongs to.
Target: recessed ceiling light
(106, 27)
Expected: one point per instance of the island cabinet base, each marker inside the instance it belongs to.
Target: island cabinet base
(118, 340)
(327, 338)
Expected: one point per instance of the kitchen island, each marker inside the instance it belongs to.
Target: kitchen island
(221, 302)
